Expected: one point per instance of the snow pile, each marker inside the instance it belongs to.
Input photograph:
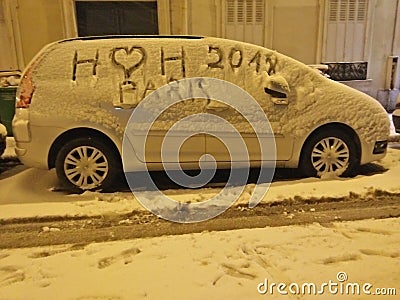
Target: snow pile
(211, 265)
(10, 149)
(6, 81)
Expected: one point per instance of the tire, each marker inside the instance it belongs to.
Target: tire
(3, 144)
(87, 164)
(3, 139)
(329, 152)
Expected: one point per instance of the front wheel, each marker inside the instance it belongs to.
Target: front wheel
(329, 152)
(87, 164)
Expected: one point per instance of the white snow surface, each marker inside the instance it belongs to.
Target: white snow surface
(10, 150)
(207, 265)
(210, 265)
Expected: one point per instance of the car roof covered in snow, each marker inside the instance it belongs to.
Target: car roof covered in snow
(107, 37)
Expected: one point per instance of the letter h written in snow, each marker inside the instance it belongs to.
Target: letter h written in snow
(173, 66)
(92, 63)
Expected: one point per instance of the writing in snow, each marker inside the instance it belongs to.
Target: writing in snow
(143, 71)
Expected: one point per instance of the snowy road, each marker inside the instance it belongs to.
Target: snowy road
(82, 231)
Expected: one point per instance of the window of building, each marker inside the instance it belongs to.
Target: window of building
(346, 30)
(116, 17)
(244, 20)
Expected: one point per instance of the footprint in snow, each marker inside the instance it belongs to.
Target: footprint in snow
(341, 258)
(375, 230)
(126, 256)
(46, 253)
(10, 275)
(395, 254)
(4, 255)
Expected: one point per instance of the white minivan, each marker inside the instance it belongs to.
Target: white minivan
(77, 95)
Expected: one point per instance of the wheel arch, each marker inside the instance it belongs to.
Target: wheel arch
(334, 126)
(78, 133)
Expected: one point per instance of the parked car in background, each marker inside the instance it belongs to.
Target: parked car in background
(76, 96)
(396, 115)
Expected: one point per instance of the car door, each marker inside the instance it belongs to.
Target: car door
(159, 80)
(171, 139)
(255, 72)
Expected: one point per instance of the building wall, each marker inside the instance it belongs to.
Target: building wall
(203, 18)
(39, 28)
(291, 27)
(8, 57)
(178, 11)
(384, 43)
(294, 28)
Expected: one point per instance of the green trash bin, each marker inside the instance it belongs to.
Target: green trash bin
(7, 107)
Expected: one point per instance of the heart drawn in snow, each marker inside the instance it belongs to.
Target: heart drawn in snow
(129, 59)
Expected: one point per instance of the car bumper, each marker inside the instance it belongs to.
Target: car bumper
(31, 155)
(373, 151)
(380, 147)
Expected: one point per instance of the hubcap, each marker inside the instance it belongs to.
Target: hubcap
(86, 167)
(330, 155)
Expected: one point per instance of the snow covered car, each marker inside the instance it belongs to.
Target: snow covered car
(3, 137)
(76, 96)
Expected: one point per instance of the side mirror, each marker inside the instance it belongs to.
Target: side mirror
(278, 88)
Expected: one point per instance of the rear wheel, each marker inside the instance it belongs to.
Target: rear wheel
(329, 152)
(3, 144)
(87, 164)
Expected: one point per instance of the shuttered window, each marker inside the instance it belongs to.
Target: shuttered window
(245, 20)
(116, 17)
(346, 30)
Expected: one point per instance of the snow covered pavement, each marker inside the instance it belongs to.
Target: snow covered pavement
(348, 260)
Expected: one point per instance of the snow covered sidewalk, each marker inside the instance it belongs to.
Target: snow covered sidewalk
(359, 257)
(316, 261)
